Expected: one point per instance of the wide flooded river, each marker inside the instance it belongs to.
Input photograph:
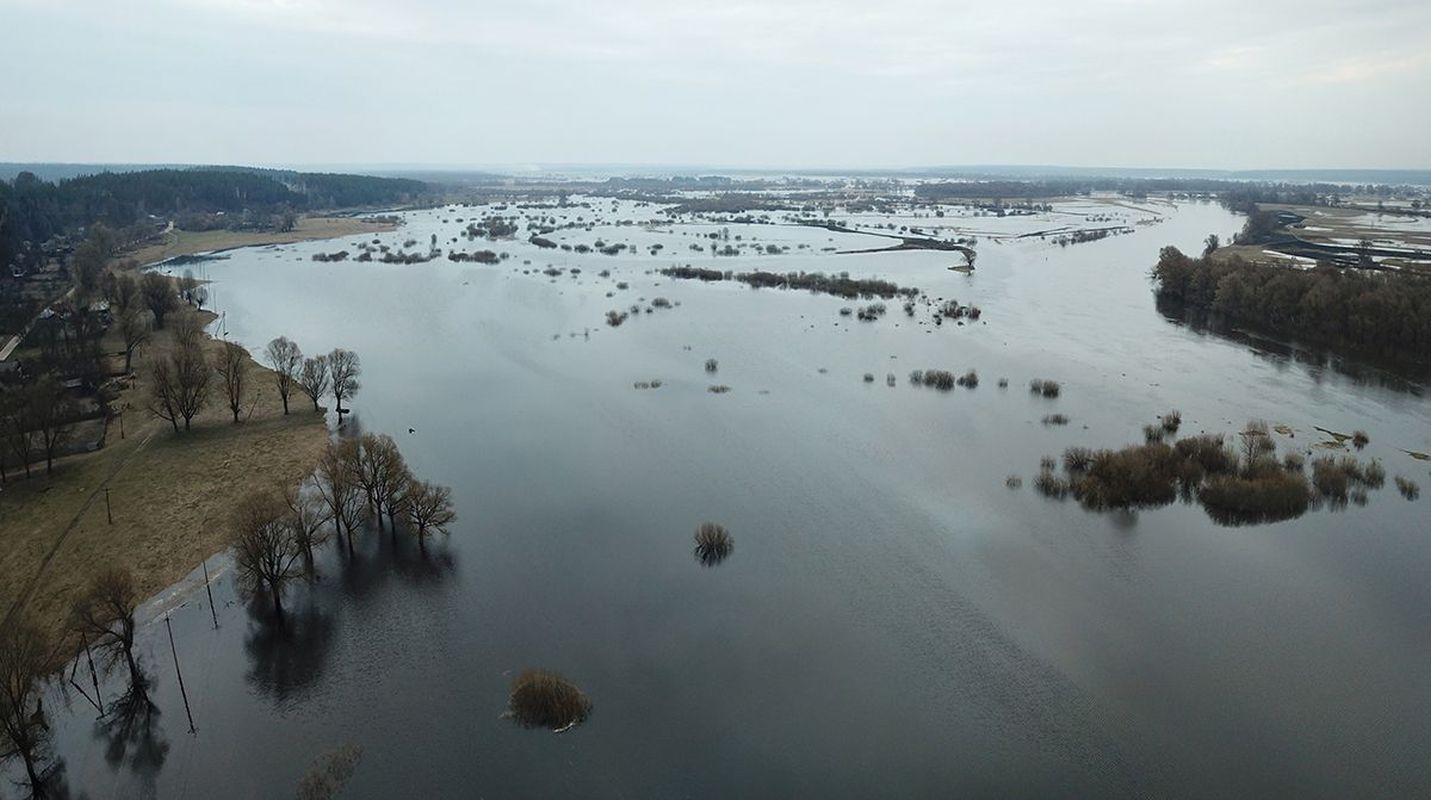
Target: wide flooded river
(894, 621)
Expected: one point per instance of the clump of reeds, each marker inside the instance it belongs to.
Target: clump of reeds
(969, 380)
(1050, 485)
(1045, 387)
(1077, 460)
(713, 544)
(1360, 439)
(890, 380)
(712, 365)
(615, 318)
(1014, 482)
(1294, 462)
(1265, 494)
(1055, 419)
(1153, 433)
(718, 388)
(1408, 488)
(542, 699)
(1003, 383)
(1172, 421)
(869, 377)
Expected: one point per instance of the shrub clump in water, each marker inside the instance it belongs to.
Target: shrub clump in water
(1045, 387)
(1408, 488)
(1055, 419)
(713, 544)
(542, 699)
(712, 365)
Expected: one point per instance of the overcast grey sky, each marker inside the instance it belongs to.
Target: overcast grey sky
(1181, 83)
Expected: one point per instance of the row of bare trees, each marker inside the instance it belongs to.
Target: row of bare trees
(357, 481)
(336, 371)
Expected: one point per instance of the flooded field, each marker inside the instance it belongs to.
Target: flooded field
(893, 619)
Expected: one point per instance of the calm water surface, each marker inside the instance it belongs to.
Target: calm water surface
(894, 622)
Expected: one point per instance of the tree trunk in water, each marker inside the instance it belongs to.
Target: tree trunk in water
(277, 600)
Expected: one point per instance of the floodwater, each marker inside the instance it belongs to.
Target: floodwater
(893, 622)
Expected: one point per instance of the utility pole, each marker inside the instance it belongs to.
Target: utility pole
(212, 611)
(179, 674)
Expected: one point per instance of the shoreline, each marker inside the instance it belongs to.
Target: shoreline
(308, 229)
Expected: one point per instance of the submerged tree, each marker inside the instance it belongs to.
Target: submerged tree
(313, 378)
(307, 514)
(24, 731)
(286, 360)
(105, 616)
(382, 473)
(429, 508)
(338, 487)
(344, 368)
(265, 550)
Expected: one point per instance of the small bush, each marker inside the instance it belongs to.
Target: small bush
(969, 379)
(615, 318)
(1293, 462)
(1360, 439)
(1408, 488)
(1153, 434)
(713, 544)
(940, 379)
(869, 377)
(1056, 419)
(1047, 463)
(718, 388)
(1014, 482)
(1050, 485)
(1077, 460)
(542, 699)
(890, 380)
(1047, 388)
(1172, 421)
(712, 365)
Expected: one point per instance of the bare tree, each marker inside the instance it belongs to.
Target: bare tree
(104, 614)
(429, 508)
(135, 330)
(233, 370)
(380, 470)
(337, 485)
(122, 291)
(188, 328)
(15, 426)
(307, 514)
(24, 660)
(313, 378)
(50, 414)
(179, 385)
(286, 359)
(344, 369)
(266, 553)
(158, 295)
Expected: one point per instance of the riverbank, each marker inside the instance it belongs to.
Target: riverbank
(184, 243)
(169, 495)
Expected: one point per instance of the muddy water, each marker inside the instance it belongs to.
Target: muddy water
(894, 622)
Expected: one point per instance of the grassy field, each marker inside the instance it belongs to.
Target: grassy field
(170, 495)
(180, 243)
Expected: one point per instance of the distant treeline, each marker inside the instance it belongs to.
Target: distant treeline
(34, 211)
(1236, 194)
(1386, 314)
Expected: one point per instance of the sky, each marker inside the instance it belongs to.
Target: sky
(1223, 84)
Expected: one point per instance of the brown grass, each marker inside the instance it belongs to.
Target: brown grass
(183, 243)
(170, 495)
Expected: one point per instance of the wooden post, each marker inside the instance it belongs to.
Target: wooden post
(121, 423)
(212, 611)
(179, 674)
(108, 512)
